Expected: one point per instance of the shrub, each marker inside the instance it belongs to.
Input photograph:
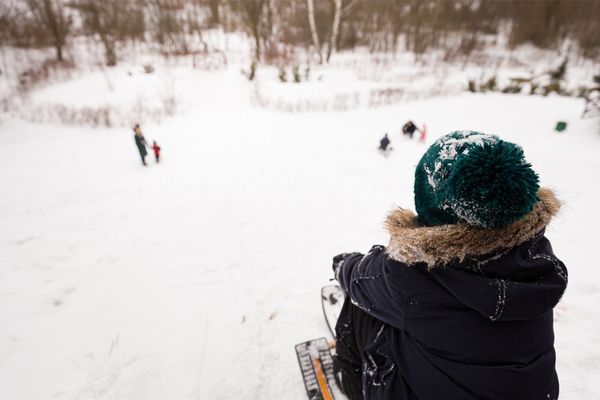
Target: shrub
(252, 73)
(148, 68)
(282, 74)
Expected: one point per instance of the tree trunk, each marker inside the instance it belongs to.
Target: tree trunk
(52, 17)
(313, 29)
(272, 33)
(337, 17)
(214, 12)
(109, 50)
(257, 44)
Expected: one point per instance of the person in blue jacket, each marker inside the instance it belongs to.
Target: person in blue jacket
(459, 304)
(384, 143)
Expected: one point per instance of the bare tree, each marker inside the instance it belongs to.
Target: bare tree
(169, 25)
(110, 20)
(53, 17)
(335, 28)
(252, 14)
(5, 12)
(214, 12)
(271, 23)
(313, 29)
(339, 12)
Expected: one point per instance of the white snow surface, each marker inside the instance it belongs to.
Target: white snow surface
(195, 278)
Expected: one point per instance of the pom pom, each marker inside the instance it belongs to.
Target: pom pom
(491, 185)
(471, 177)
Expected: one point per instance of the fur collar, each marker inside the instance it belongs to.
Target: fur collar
(412, 243)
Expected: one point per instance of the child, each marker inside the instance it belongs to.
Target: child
(423, 136)
(459, 304)
(384, 143)
(156, 149)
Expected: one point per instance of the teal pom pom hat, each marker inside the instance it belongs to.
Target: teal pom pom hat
(474, 178)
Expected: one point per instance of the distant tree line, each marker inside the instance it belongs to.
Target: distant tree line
(279, 27)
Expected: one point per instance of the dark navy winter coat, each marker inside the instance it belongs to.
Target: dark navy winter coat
(468, 330)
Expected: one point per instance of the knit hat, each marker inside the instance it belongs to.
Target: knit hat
(474, 178)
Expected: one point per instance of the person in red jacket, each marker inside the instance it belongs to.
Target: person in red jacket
(156, 149)
(423, 137)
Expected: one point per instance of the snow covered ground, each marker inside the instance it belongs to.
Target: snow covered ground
(194, 278)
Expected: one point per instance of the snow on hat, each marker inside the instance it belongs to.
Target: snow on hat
(478, 179)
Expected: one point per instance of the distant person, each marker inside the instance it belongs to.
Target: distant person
(384, 143)
(423, 136)
(409, 129)
(140, 142)
(156, 149)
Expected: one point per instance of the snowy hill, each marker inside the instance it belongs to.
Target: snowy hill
(194, 278)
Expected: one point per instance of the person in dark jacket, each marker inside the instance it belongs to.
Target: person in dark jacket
(409, 129)
(140, 142)
(459, 304)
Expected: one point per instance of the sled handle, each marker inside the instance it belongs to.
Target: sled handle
(322, 380)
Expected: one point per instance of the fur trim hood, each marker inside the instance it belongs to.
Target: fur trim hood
(412, 243)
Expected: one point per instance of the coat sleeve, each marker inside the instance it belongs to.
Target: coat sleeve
(372, 285)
